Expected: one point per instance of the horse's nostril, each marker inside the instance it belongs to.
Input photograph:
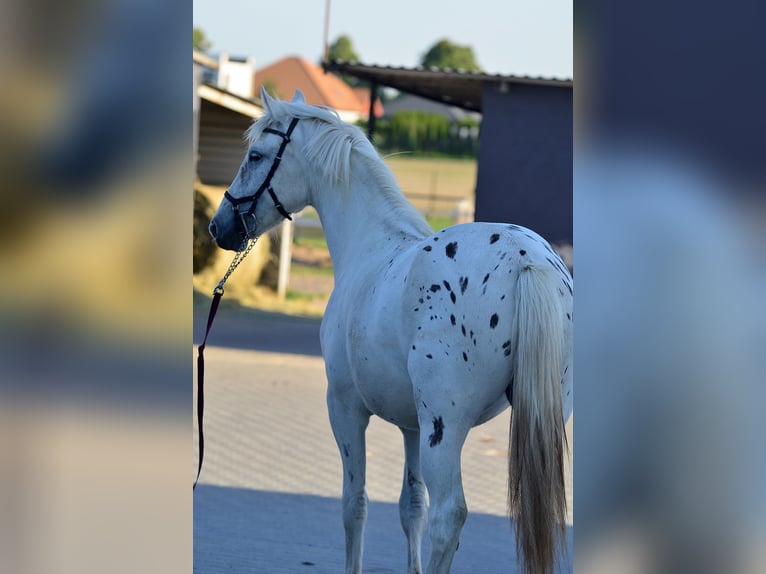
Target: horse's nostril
(211, 228)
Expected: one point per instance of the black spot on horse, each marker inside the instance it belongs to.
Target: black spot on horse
(463, 284)
(522, 252)
(486, 278)
(451, 249)
(465, 357)
(569, 316)
(413, 347)
(493, 320)
(452, 296)
(462, 328)
(452, 319)
(427, 248)
(429, 356)
(438, 434)
(436, 238)
(346, 451)
(446, 285)
(434, 288)
(494, 238)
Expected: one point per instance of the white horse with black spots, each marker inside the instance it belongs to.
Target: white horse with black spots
(433, 332)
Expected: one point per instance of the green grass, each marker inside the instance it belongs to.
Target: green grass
(296, 296)
(438, 223)
(316, 241)
(448, 177)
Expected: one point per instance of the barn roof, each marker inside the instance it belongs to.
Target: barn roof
(452, 87)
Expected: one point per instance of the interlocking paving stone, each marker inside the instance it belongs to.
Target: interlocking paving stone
(268, 498)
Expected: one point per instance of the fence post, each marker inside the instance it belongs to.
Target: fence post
(285, 257)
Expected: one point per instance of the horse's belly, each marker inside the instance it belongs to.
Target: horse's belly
(387, 393)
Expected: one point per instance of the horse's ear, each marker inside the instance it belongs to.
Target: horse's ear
(267, 101)
(298, 97)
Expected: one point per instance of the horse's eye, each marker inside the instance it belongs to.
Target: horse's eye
(254, 156)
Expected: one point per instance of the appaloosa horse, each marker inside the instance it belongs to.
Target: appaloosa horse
(433, 332)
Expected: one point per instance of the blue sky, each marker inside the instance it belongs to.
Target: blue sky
(507, 36)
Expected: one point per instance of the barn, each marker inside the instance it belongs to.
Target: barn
(525, 146)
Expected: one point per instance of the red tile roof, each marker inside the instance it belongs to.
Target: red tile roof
(291, 73)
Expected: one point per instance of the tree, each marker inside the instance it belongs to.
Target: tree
(445, 54)
(201, 42)
(342, 49)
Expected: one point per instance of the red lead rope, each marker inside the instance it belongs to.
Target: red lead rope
(201, 380)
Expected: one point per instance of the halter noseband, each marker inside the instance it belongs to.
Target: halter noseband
(266, 185)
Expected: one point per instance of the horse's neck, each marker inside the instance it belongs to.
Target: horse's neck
(365, 222)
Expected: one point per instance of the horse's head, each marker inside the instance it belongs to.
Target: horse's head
(271, 181)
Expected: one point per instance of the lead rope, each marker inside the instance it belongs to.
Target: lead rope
(217, 294)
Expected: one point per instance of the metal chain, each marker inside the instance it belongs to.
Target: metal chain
(238, 258)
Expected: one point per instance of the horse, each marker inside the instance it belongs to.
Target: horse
(433, 332)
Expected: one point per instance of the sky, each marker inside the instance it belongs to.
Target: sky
(507, 36)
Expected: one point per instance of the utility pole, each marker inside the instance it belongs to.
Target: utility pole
(326, 50)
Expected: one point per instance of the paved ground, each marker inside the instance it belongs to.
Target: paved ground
(268, 498)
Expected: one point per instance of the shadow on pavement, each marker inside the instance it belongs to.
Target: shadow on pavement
(241, 327)
(242, 530)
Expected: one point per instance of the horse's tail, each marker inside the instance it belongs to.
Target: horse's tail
(536, 496)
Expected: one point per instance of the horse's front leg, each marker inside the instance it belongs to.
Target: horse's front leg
(349, 418)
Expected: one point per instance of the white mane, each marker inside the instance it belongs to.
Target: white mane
(328, 150)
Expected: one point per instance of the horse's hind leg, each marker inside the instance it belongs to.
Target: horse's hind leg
(440, 445)
(349, 420)
(413, 508)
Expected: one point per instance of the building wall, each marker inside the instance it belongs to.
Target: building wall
(236, 76)
(525, 159)
(221, 143)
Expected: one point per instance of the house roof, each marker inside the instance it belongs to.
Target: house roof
(411, 102)
(318, 86)
(452, 87)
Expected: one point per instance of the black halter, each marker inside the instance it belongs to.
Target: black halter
(266, 185)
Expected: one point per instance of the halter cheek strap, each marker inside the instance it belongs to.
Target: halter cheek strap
(266, 185)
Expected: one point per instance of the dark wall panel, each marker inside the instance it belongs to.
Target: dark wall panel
(525, 159)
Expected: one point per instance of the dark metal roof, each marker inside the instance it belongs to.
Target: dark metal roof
(453, 87)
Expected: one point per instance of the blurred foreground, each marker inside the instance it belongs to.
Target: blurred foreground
(670, 242)
(95, 205)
